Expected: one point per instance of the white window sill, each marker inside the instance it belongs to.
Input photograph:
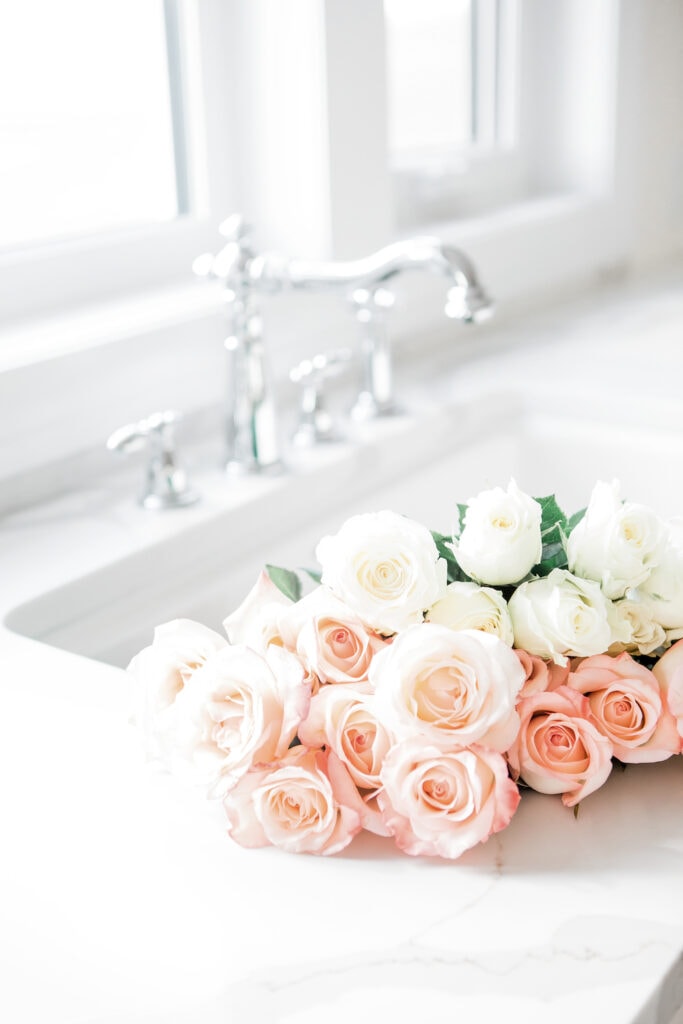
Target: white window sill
(66, 383)
(38, 340)
(30, 341)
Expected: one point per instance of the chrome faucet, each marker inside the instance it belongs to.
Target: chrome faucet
(365, 281)
(251, 428)
(251, 431)
(166, 484)
(466, 299)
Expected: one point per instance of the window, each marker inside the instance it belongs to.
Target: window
(451, 66)
(86, 122)
(115, 168)
(452, 73)
(553, 131)
(430, 89)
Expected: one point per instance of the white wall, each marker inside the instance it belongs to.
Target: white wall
(654, 118)
(62, 409)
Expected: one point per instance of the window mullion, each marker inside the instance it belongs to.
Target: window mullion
(485, 47)
(178, 111)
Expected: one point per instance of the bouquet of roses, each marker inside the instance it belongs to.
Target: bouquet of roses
(424, 677)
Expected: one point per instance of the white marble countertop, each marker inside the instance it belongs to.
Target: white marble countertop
(122, 898)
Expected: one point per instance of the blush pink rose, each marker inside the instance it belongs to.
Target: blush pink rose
(626, 703)
(344, 719)
(240, 708)
(558, 748)
(669, 674)
(439, 802)
(331, 641)
(256, 622)
(456, 687)
(303, 803)
(540, 674)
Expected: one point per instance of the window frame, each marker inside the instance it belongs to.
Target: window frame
(342, 159)
(53, 277)
(316, 183)
(559, 68)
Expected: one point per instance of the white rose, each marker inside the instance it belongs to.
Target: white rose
(559, 616)
(448, 686)
(161, 671)
(240, 708)
(663, 593)
(617, 543)
(385, 568)
(634, 629)
(469, 606)
(501, 538)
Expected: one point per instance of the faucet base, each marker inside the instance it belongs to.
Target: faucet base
(367, 407)
(171, 499)
(235, 467)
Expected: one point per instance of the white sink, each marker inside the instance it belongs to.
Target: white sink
(126, 901)
(594, 900)
(199, 563)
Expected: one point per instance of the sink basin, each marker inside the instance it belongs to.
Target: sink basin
(200, 563)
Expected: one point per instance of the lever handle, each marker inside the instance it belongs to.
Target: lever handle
(154, 429)
(235, 228)
(231, 261)
(166, 484)
(320, 367)
(316, 425)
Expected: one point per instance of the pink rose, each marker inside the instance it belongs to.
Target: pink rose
(256, 622)
(344, 719)
(669, 674)
(240, 708)
(161, 671)
(558, 748)
(330, 640)
(540, 674)
(304, 803)
(626, 703)
(449, 687)
(440, 802)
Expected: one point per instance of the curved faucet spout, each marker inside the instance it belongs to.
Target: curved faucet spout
(244, 273)
(466, 298)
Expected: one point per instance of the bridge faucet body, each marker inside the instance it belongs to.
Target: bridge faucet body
(251, 428)
(466, 300)
(366, 281)
(251, 434)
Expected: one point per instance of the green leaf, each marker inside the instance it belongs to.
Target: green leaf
(576, 809)
(553, 556)
(286, 581)
(315, 574)
(575, 520)
(553, 526)
(456, 575)
(553, 551)
(551, 516)
(443, 545)
(553, 541)
(462, 512)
